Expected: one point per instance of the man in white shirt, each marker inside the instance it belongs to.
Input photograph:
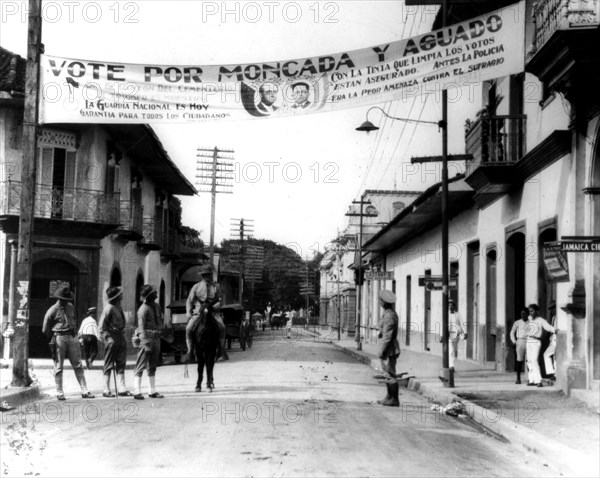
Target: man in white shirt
(534, 328)
(456, 330)
(88, 337)
(518, 337)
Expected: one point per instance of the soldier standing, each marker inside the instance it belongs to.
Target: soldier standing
(149, 318)
(389, 350)
(112, 328)
(59, 322)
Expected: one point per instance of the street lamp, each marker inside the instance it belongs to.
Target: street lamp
(367, 126)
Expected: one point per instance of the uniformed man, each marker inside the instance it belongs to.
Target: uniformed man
(149, 326)
(112, 329)
(204, 293)
(535, 326)
(60, 325)
(389, 349)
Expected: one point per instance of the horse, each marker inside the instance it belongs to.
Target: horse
(206, 345)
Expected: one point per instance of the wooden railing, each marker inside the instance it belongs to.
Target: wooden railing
(550, 16)
(496, 140)
(67, 204)
(152, 231)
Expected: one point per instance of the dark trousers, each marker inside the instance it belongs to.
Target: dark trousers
(115, 353)
(90, 347)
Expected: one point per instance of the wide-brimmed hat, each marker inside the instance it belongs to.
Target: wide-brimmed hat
(206, 269)
(387, 296)
(91, 309)
(146, 291)
(63, 293)
(113, 292)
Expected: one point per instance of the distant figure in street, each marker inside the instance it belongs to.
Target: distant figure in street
(534, 328)
(456, 330)
(389, 349)
(290, 322)
(551, 349)
(60, 325)
(518, 337)
(206, 293)
(112, 328)
(149, 325)
(88, 337)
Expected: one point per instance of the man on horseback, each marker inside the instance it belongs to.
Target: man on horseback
(208, 294)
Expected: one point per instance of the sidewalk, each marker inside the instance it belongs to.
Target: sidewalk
(544, 421)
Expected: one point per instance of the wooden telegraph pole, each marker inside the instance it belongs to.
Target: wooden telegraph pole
(20, 340)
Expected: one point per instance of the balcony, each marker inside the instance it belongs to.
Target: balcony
(131, 220)
(152, 235)
(171, 245)
(61, 211)
(496, 143)
(565, 43)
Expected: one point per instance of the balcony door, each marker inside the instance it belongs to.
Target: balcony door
(56, 183)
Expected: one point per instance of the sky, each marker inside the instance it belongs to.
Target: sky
(294, 177)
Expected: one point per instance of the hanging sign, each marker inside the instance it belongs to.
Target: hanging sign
(555, 262)
(93, 91)
(580, 244)
(379, 275)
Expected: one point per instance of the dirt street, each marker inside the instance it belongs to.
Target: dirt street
(283, 408)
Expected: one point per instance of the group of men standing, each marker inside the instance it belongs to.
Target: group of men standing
(60, 328)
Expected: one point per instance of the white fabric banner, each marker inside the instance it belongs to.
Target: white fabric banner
(83, 91)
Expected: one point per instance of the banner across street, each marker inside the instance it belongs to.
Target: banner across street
(92, 91)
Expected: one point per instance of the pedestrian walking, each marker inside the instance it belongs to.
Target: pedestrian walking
(551, 349)
(456, 330)
(518, 336)
(60, 325)
(112, 329)
(88, 337)
(149, 327)
(534, 328)
(389, 349)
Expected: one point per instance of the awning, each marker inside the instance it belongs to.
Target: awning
(423, 214)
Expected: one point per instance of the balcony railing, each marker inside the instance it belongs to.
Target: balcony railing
(496, 140)
(152, 233)
(67, 204)
(553, 15)
(131, 217)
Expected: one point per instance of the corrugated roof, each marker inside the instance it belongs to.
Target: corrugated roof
(12, 72)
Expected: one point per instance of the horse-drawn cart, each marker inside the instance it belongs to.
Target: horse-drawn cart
(237, 327)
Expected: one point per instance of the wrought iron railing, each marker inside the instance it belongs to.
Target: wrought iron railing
(152, 231)
(132, 216)
(552, 15)
(496, 140)
(68, 204)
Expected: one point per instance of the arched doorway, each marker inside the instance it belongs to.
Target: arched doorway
(546, 292)
(46, 276)
(515, 286)
(491, 306)
(115, 277)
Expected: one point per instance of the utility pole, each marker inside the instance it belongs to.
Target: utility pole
(217, 173)
(362, 202)
(447, 373)
(242, 228)
(20, 339)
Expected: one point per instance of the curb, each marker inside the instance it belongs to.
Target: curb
(573, 461)
(18, 396)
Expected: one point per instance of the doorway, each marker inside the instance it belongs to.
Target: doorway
(515, 286)
(472, 297)
(491, 306)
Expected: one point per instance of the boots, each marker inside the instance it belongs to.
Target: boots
(81, 379)
(519, 369)
(189, 356)
(393, 400)
(387, 395)
(152, 386)
(107, 393)
(138, 388)
(123, 392)
(59, 386)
